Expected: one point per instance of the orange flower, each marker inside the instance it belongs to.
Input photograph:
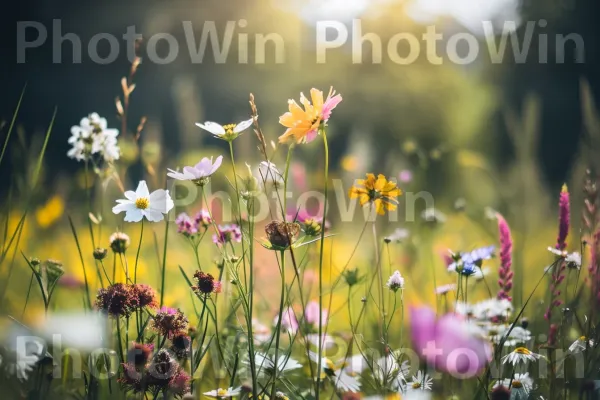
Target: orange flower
(377, 191)
(303, 124)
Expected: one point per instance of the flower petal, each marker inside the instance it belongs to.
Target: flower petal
(142, 190)
(242, 126)
(133, 215)
(212, 127)
(124, 205)
(161, 201)
(216, 165)
(153, 215)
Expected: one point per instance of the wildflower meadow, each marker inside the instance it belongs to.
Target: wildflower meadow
(283, 254)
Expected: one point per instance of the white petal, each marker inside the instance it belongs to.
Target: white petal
(161, 201)
(142, 190)
(152, 215)
(133, 215)
(181, 176)
(130, 195)
(212, 127)
(242, 126)
(123, 205)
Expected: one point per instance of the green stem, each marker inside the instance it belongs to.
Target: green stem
(164, 263)
(137, 256)
(321, 254)
(248, 320)
(278, 328)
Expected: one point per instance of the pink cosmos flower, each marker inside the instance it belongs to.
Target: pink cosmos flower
(447, 343)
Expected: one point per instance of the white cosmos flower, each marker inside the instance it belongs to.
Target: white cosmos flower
(199, 172)
(226, 132)
(520, 355)
(142, 203)
(223, 393)
(266, 364)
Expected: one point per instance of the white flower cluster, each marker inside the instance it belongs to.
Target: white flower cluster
(92, 137)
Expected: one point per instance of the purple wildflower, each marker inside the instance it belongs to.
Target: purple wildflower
(185, 225)
(202, 219)
(169, 321)
(564, 218)
(228, 234)
(505, 274)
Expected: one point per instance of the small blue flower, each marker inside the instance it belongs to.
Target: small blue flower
(468, 269)
(469, 263)
(478, 255)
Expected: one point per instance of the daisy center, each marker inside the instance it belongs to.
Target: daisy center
(416, 385)
(142, 203)
(221, 392)
(522, 350)
(517, 384)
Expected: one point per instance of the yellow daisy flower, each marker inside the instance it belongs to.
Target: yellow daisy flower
(379, 192)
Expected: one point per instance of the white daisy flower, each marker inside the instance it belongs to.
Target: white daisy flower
(226, 132)
(518, 335)
(573, 260)
(336, 373)
(142, 203)
(520, 355)
(266, 364)
(421, 381)
(223, 393)
(581, 344)
(395, 282)
(199, 173)
(492, 309)
(520, 384)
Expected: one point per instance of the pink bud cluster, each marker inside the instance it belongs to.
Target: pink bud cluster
(564, 220)
(505, 274)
